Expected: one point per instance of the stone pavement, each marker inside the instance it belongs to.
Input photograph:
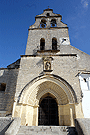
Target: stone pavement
(47, 130)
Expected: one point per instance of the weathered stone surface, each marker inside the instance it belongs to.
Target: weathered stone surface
(46, 130)
(4, 124)
(9, 77)
(29, 80)
(83, 126)
(14, 127)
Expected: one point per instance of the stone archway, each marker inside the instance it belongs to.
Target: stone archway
(27, 104)
(48, 111)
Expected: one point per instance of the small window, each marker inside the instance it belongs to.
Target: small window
(42, 44)
(84, 79)
(48, 14)
(53, 23)
(2, 86)
(54, 44)
(43, 23)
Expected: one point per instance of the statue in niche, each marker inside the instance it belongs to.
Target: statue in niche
(48, 66)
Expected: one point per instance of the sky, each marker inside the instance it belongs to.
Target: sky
(17, 15)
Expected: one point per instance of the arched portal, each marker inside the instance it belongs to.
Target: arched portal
(32, 94)
(48, 111)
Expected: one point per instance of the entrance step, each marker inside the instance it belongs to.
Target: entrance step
(47, 130)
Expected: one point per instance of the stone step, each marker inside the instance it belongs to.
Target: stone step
(47, 130)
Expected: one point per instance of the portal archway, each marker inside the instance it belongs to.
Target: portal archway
(30, 98)
(48, 111)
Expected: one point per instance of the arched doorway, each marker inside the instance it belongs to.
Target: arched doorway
(48, 111)
(32, 96)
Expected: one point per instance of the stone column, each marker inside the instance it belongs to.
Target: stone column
(71, 114)
(60, 114)
(48, 23)
(13, 111)
(23, 115)
(78, 110)
(17, 110)
(35, 116)
(29, 115)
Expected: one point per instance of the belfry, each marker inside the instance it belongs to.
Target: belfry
(46, 84)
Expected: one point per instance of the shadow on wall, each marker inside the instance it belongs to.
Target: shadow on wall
(71, 131)
(4, 124)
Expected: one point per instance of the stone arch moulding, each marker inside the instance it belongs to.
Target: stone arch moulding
(41, 85)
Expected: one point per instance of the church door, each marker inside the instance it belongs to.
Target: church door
(48, 112)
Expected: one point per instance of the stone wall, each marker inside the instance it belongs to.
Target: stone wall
(30, 68)
(65, 66)
(82, 126)
(4, 124)
(9, 77)
(34, 36)
(83, 59)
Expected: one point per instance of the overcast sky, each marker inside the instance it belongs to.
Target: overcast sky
(17, 15)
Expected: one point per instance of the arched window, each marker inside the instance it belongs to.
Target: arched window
(43, 23)
(48, 14)
(54, 43)
(42, 44)
(53, 23)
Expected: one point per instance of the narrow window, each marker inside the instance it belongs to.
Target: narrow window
(84, 79)
(54, 44)
(42, 44)
(43, 23)
(2, 86)
(53, 23)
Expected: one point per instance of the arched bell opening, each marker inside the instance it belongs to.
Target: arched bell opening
(53, 23)
(48, 111)
(43, 23)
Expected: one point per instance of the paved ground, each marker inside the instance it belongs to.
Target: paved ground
(46, 130)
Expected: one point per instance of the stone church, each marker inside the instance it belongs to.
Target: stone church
(49, 84)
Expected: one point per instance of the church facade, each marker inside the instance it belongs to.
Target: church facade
(45, 86)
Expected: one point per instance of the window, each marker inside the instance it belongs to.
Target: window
(54, 44)
(42, 44)
(53, 23)
(43, 23)
(84, 79)
(48, 14)
(2, 86)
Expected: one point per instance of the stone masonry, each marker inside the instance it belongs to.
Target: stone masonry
(50, 66)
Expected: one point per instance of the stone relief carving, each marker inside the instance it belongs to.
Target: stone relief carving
(48, 66)
(47, 63)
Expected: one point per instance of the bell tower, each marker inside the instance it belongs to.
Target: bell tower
(47, 75)
(47, 34)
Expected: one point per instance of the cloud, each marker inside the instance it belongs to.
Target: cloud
(84, 3)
